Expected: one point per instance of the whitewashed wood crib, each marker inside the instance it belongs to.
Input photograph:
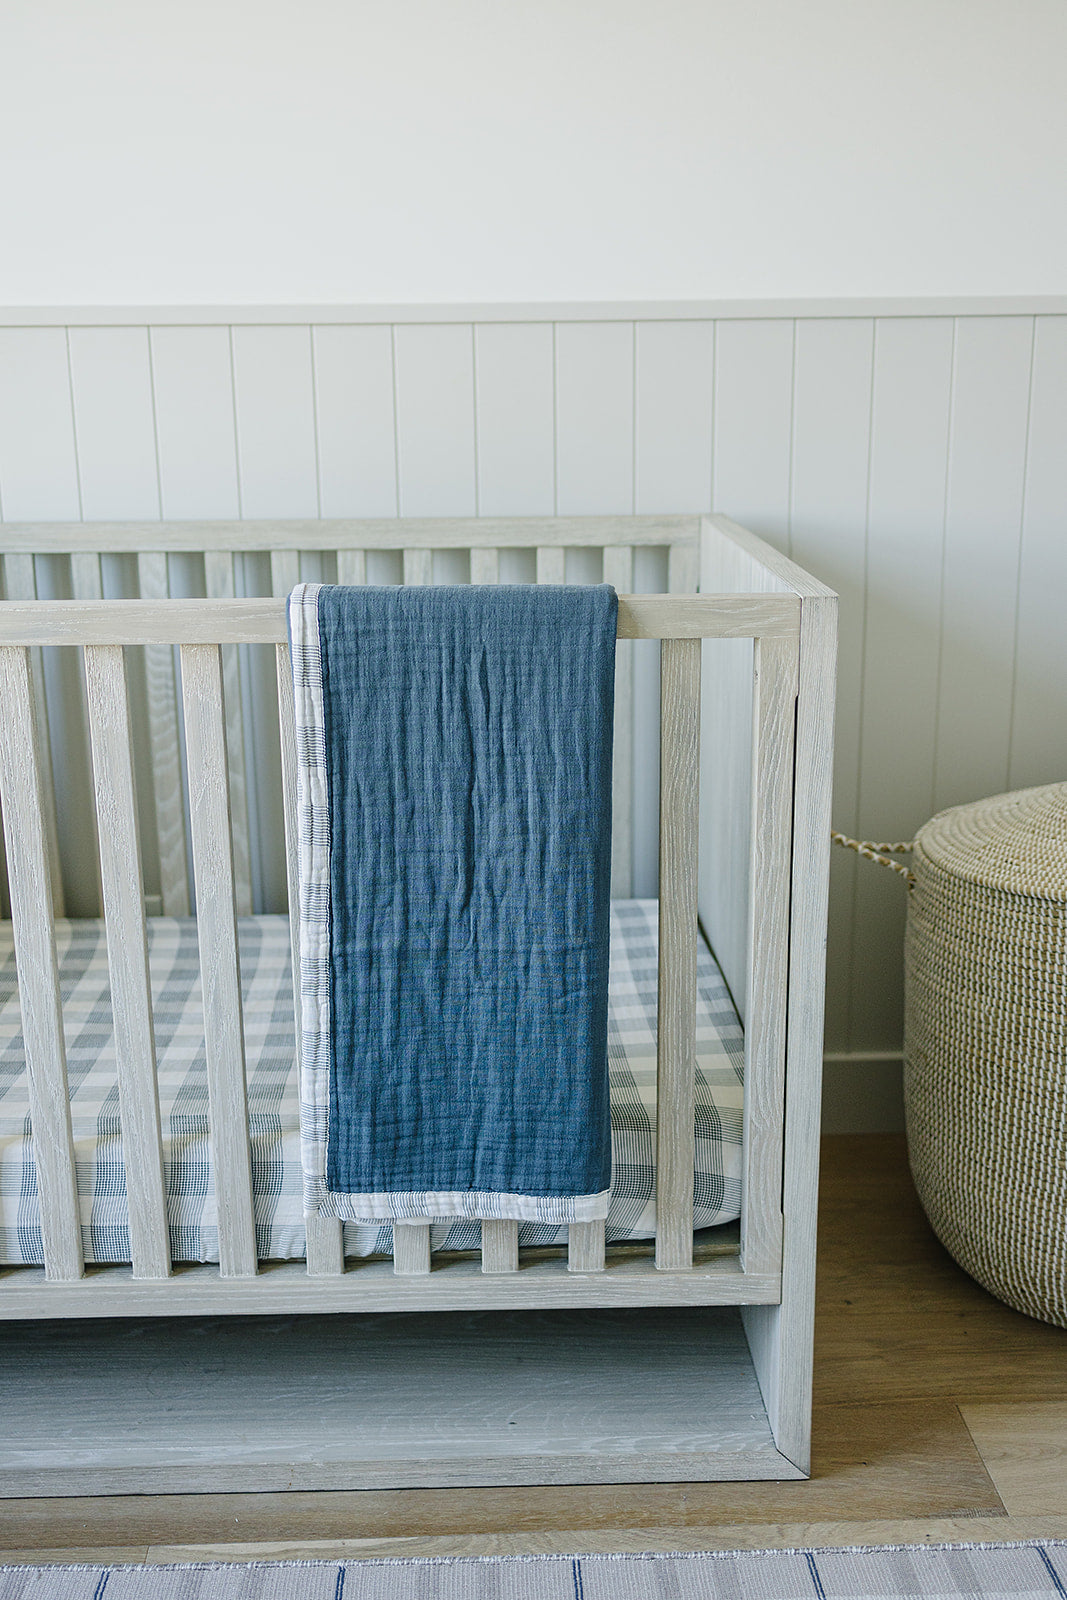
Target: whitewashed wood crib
(500, 1366)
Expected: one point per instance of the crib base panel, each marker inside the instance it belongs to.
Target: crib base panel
(352, 1402)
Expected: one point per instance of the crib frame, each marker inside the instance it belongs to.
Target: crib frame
(760, 810)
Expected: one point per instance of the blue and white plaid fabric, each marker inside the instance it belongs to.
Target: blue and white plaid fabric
(273, 1096)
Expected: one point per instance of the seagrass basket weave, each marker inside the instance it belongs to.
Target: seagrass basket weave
(985, 1046)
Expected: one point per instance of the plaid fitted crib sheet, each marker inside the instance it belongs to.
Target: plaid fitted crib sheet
(266, 982)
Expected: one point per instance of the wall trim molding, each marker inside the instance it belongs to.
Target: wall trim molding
(533, 311)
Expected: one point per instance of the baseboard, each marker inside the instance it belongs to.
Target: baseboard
(863, 1092)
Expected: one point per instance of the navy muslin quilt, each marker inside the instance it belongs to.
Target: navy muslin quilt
(454, 824)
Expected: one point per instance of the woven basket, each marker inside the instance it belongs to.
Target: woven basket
(985, 1047)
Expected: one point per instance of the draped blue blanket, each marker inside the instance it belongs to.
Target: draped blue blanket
(454, 933)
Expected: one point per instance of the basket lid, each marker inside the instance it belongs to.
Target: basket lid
(1013, 842)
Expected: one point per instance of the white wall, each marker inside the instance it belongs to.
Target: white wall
(362, 151)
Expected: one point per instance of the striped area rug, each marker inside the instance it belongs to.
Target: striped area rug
(1036, 1571)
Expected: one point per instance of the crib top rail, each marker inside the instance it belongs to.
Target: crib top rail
(345, 533)
(263, 621)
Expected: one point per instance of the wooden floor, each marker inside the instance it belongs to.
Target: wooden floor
(939, 1414)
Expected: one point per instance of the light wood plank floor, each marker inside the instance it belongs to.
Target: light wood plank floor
(939, 1414)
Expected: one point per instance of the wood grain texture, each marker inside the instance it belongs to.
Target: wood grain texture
(892, 1458)
(585, 1247)
(205, 738)
(351, 566)
(551, 565)
(262, 621)
(418, 566)
(619, 572)
(781, 1337)
(20, 584)
(324, 1240)
(485, 566)
(38, 980)
(386, 1401)
(774, 710)
(221, 585)
(1024, 1447)
(411, 1249)
(127, 955)
(340, 533)
(454, 1284)
(500, 1246)
(161, 687)
(676, 996)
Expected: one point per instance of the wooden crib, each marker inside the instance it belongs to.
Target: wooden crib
(745, 750)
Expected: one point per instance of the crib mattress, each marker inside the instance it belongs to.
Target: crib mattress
(266, 982)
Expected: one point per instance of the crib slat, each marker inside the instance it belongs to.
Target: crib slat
(418, 566)
(619, 572)
(551, 564)
(774, 704)
(162, 692)
(20, 583)
(21, 788)
(351, 566)
(219, 574)
(127, 955)
(284, 571)
(86, 581)
(411, 1249)
(325, 1243)
(585, 1247)
(682, 568)
(485, 565)
(500, 1246)
(676, 1051)
(205, 742)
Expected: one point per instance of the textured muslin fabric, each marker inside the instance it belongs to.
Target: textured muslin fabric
(455, 816)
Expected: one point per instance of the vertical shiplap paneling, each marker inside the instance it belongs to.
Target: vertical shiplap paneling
(673, 419)
(38, 481)
(275, 412)
(1039, 718)
(192, 379)
(354, 405)
(114, 419)
(753, 444)
(275, 421)
(983, 519)
(909, 444)
(594, 418)
(115, 423)
(831, 440)
(514, 390)
(38, 468)
(435, 420)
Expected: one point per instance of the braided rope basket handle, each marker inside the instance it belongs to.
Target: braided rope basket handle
(882, 853)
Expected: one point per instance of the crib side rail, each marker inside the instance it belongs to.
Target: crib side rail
(202, 630)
